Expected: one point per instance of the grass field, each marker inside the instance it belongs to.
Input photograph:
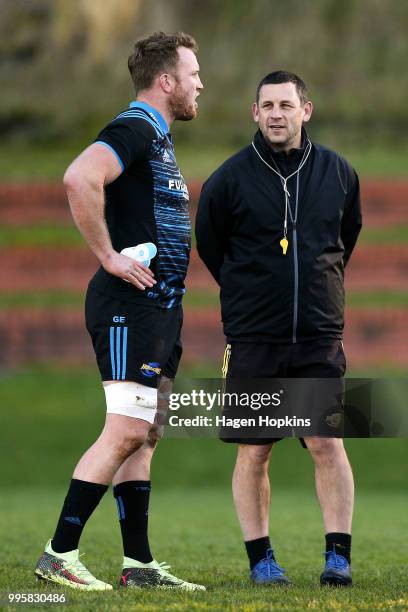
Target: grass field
(193, 299)
(68, 235)
(22, 163)
(49, 418)
(196, 532)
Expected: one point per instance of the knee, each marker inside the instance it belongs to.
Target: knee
(255, 456)
(129, 443)
(325, 449)
(157, 430)
(154, 436)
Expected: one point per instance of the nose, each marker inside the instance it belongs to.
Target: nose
(276, 112)
(199, 84)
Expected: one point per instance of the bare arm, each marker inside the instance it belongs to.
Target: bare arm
(84, 181)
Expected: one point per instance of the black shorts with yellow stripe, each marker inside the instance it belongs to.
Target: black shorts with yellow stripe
(318, 358)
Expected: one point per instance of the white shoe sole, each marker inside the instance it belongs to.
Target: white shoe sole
(73, 585)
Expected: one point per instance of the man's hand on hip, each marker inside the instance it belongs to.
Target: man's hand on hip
(129, 270)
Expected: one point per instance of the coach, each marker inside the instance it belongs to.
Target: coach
(276, 226)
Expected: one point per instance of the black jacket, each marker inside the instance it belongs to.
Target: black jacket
(266, 295)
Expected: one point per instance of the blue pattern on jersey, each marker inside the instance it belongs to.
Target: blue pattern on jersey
(170, 210)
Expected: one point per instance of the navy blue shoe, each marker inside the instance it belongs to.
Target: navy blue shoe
(267, 571)
(337, 571)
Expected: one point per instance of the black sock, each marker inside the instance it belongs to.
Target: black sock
(341, 543)
(81, 500)
(132, 500)
(256, 550)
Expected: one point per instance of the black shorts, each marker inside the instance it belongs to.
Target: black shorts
(133, 341)
(323, 358)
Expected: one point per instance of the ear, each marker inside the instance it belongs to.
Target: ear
(166, 82)
(308, 110)
(255, 112)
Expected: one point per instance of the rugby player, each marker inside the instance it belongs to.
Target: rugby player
(276, 226)
(129, 201)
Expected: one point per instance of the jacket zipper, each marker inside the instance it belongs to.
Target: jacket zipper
(296, 279)
(295, 264)
(293, 218)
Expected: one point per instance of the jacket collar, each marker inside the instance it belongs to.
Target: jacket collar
(293, 154)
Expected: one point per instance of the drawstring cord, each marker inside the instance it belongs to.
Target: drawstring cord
(284, 182)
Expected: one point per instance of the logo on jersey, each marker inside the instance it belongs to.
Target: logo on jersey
(166, 157)
(151, 369)
(119, 319)
(179, 185)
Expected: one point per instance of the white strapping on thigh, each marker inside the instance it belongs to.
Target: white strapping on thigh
(131, 399)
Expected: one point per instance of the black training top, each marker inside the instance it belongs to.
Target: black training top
(148, 202)
(267, 295)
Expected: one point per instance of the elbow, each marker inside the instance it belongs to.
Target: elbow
(77, 182)
(72, 180)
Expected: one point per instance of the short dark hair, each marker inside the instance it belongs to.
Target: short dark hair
(156, 53)
(281, 76)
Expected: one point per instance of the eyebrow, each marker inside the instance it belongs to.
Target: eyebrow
(281, 102)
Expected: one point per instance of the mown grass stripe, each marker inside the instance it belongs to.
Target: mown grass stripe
(68, 235)
(196, 162)
(192, 299)
(40, 236)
